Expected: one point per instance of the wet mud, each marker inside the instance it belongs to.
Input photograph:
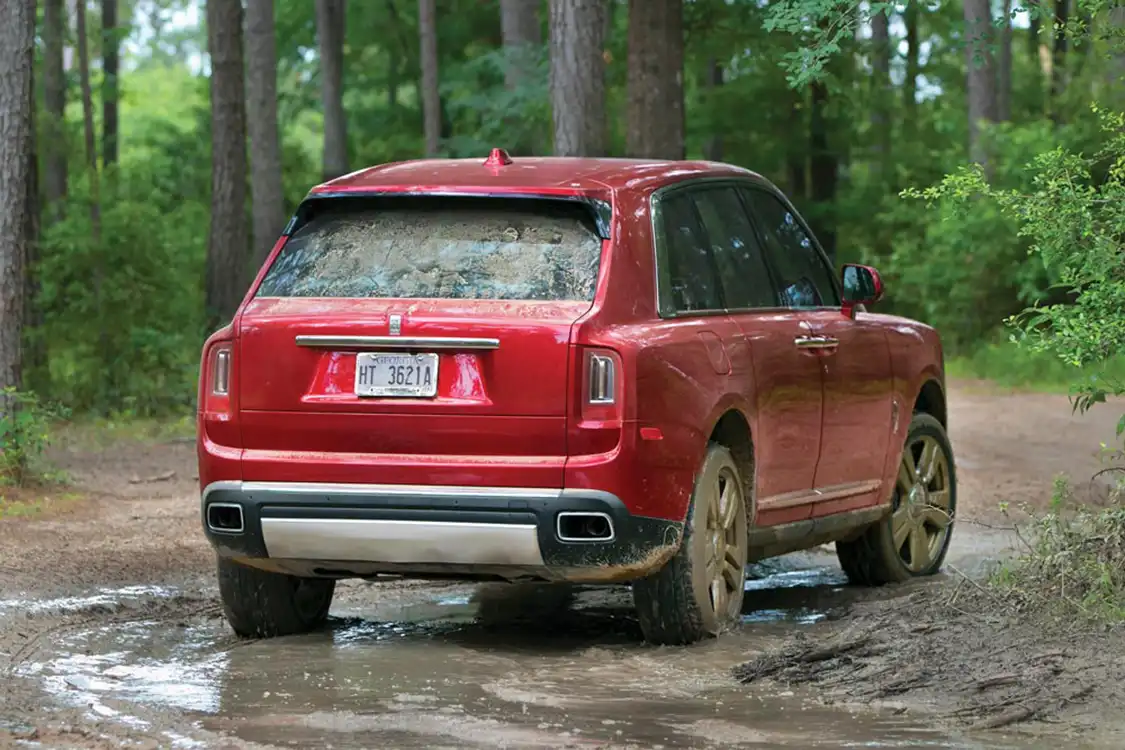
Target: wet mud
(111, 636)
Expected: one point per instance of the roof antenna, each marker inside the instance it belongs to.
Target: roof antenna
(498, 158)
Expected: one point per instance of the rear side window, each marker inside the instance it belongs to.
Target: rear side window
(735, 247)
(686, 266)
(438, 247)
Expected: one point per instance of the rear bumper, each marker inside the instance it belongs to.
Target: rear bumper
(349, 530)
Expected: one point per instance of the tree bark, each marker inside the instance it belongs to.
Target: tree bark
(823, 168)
(267, 196)
(713, 80)
(577, 81)
(655, 85)
(227, 241)
(1004, 70)
(910, 84)
(110, 57)
(17, 43)
(330, 15)
(1058, 55)
(54, 108)
(34, 354)
(981, 75)
(881, 92)
(431, 97)
(519, 28)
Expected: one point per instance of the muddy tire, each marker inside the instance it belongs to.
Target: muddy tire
(913, 540)
(699, 592)
(260, 604)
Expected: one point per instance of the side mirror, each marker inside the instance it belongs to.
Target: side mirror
(862, 286)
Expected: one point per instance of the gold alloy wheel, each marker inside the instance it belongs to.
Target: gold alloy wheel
(923, 503)
(726, 544)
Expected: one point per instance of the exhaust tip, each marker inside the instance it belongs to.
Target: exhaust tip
(581, 526)
(225, 518)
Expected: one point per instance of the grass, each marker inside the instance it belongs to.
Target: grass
(27, 502)
(1012, 366)
(92, 433)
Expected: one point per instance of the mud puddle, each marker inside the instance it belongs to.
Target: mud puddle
(422, 667)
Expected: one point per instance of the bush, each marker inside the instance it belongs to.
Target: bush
(25, 432)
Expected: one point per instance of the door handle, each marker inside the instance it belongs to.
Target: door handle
(816, 342)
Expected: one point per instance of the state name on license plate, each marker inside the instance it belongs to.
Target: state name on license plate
(382, 374)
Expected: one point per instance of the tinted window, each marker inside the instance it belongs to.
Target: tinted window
(803, 276)
(453, 248)
(735, 247)
(689, 274)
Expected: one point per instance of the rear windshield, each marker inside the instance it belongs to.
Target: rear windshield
(434, 247)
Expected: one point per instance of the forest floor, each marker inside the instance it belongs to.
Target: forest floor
(111, 635)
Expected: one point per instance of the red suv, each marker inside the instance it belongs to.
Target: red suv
(587, 370)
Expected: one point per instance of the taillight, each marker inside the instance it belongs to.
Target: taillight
(216, 385)
(220, 371)
(602, 391)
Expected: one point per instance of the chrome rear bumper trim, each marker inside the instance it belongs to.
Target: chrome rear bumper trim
(387, 541)
(398, 343)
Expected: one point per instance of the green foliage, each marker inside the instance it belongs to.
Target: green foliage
(1072, 212)
(1010, 365)
(25, 432)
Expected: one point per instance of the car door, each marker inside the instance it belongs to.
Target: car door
(853, 356)
(784, 389)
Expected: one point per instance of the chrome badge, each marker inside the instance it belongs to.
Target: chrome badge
(396, 325)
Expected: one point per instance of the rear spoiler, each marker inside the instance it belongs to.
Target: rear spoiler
(600, 210)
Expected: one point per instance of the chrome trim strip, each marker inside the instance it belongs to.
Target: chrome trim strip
(241, 519)
(816, 342)
(392, 541)
(393, 490)
(831, 492)
(397, 342)
(581, 539)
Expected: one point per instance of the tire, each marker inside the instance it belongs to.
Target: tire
(260, 604)
(875, 558)
(676, 605)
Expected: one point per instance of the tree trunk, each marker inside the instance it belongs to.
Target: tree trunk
(34, 355)
(54, 109)
(519, 28)
(17, 43)
(87, 112)
(431, 97)
(1058, 55)
(881, 92)
(227, 242)
(111, 42)
(910, 84)
(577, 81)
(823, 169)
(713, 148)
(1004, 71)
(267, 197)
(655, 114)
(330, 15)
(982, 75)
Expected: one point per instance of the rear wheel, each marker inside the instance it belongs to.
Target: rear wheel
(699, 592)
(260, 604)
(913, 540)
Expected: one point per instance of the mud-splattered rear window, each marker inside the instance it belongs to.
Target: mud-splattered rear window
(432, 247)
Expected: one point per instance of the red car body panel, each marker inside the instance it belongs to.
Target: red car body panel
(827, 427)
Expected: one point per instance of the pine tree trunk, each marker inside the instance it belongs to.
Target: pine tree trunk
(17, 43)
(431, 98)
(1004, 84)
(519, 28)
(330, 16)
(54, 108)
(881, 92)
(655, 87)
(110, 55)
(911, 19)
(577, 83)
(713, 80)
(823, 168)
(227, 243)
(981, 75)
(267, 196)
(34, 354)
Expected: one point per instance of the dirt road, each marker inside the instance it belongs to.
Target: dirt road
(110, 633)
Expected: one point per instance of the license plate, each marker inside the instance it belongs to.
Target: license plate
(381, 375)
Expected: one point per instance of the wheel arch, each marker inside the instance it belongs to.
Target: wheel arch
(732, 431)
(931, 400)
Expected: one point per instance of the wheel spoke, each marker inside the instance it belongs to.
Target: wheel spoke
(919, 549)
(730, 505)
(718, 595)
(929, 460)
(735, 575)
(715, 501)
(906, 469)
(939, 499)
(936, 517)
(901, 526)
